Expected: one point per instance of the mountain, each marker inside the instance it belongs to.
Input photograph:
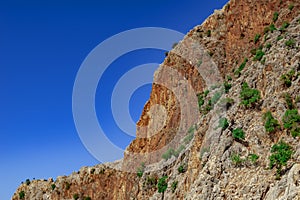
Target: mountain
(222, 121)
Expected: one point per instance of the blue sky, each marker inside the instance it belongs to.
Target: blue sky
(42, 45)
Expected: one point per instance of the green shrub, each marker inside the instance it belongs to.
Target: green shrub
(188, 138)
(248, 95)
(182, 168)
(53, 186)
(140, 170)
(238, 133)
(236, 159)
(241, 67)
(223, 123)
(284, 26)
(253, 158)
(295, 132)
(22, 195)
(75, 196)
(290, 117)
(289, 101)
(258, 55)
(216, 98)
(199, 63)
(229, 78)
(280, 37)
(227, 102)
(162, 184)
(151, 181)
(208, 33)
(291, 6)
(275, 16)
(272, 28)
(169, 153)
(290, 43)
(27, 182)
(266, 30)
(87, 198)
(253, 51)
(227, 86)
(174, 186)
(200, 100)
(281, 153)
(68, 185)
(180, 148)
(287, 78)
(206, 93)
(268, 46)
(271, 124)
(256, 38)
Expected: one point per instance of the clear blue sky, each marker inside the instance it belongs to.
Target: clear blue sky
(42, 45)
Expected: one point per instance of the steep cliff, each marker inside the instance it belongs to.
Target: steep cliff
(222, 120)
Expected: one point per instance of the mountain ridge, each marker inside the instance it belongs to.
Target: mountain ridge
(214, 164)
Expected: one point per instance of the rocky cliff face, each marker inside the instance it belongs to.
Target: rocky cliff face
(215, 133)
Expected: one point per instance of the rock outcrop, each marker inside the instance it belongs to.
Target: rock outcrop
(214, 145)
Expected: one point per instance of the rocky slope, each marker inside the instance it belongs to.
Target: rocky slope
(254, 42)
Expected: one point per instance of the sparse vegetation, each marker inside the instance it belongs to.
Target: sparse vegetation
(140, 170)
(200, 100)
(238, 133)
(291, 7)
(223, 123)
(289, 101)
(87, 198)
(182, 168)
(253, 158)
(290, 43)
(53, 186)
(236, 159)
(174, 186)
(206, 92)
(281, 153)
(208, 33)
(68, 185)
(241, 67)
(27, 182)
(280, 37)
(275, 16)
(287, 78)
(259, 55)
(248, 95)
(271, 124)
(169, 153)
(227, 86)
(22, 195)
(151, 181)
(284, 26)
(229, 78)
(272, 28)
(75, 196)
(199, 63)
(291, 121)
(216, 98)
(226, 102)
(268, 46)
(256, 38)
